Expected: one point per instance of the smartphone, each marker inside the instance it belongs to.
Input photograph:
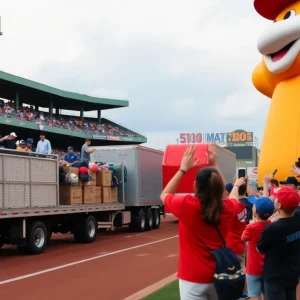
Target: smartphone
(275, 172)
(241, 172)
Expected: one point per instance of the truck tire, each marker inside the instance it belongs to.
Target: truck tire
(86, 230)
(138, 221)
(36, 239)
(156, 218)
(149, 219)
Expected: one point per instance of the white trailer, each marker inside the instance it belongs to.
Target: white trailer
(30, 209)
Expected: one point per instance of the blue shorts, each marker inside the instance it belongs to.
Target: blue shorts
(255, 285)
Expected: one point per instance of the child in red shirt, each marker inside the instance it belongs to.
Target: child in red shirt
(263, 208)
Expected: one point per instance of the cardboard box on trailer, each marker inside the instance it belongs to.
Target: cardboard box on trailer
(114, 194)
(98, 195)
(106, 194)
(71, 170)
(89, 195)
(69, 195)
(104, 178)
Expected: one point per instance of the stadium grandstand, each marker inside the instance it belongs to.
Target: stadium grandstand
(28, 107)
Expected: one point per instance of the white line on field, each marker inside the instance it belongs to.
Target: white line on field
(83, 261)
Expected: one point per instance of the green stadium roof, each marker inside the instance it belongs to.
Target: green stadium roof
(34, 93)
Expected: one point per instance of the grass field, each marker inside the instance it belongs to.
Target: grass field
(169, 292)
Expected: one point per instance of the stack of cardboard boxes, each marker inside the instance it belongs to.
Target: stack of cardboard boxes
(97, 190)
(103, 183)
(70, 195)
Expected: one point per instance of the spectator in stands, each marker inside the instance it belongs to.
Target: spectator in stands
(28, 114)
(70, 159)
(9, 141)
(199, 216)
(22, 146)
(85, 152)
(29, 145)
(43, 146)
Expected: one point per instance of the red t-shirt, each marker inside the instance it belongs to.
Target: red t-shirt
(196, 263)
(255, 260)
(233, 240)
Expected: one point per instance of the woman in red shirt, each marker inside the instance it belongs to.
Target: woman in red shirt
(198, 217)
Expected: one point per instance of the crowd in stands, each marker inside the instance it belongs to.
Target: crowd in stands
(74, 123)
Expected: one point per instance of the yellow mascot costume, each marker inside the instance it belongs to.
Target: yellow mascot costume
(278, 77)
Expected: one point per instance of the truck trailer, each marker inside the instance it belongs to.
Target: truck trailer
(31, 210)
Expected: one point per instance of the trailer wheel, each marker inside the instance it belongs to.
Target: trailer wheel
(36, 239)
(138, 221)
(149, 219)
(156, 218)
(86, 230)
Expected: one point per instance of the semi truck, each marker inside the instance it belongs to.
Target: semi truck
(30, 207)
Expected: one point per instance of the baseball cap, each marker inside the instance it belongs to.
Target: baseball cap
(290, 180)
(229, 187)
(70, 148)
(22, 142)
(13, 134)
(288, 197)
(271, 9)
(30, 141)
(264, 205)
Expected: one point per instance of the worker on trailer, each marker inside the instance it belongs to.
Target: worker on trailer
(9, 141)
(71, 158)
(86, 152)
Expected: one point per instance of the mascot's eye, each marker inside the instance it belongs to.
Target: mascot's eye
(289, 14)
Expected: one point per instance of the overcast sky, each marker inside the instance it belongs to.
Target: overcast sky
(184, 66)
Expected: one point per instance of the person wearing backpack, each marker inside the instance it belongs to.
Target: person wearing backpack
(204, 221)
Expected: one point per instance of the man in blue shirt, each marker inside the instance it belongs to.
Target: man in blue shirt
(71, 158)
(43, 146)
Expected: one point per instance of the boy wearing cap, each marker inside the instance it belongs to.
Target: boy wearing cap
(29, 145)
(263, 208)
(280, 241)
(22, 146)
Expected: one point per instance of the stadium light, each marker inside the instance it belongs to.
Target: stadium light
(0, 27)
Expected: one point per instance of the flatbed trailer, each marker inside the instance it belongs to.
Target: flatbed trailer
(30, 209)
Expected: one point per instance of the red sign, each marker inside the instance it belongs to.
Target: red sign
(113, 138)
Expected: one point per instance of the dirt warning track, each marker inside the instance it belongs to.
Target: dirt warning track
(116, 266)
